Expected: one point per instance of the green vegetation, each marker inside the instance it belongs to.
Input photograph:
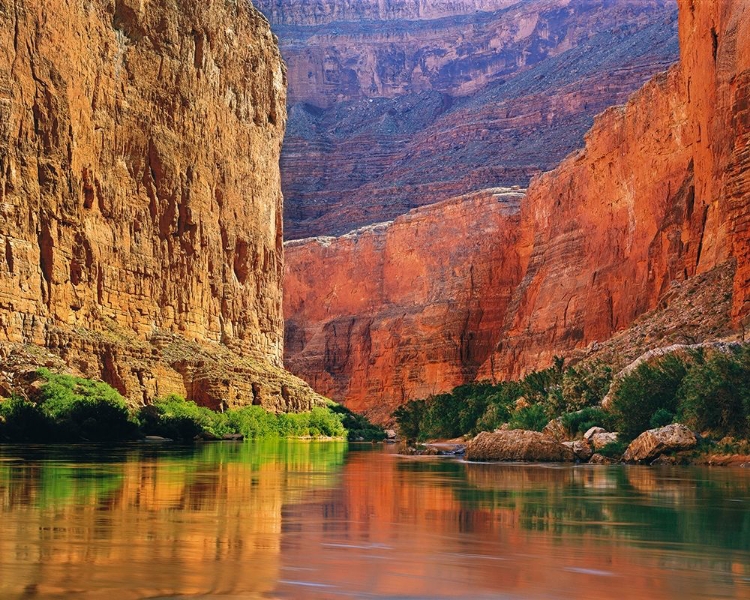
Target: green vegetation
(72, 409)
(708, 390)
(526, 404)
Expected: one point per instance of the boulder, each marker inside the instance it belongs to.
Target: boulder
(599, 440)
(390, 434)
(600, 459)
(517, 445)
(593, 431)
(556, 430)
(581, 448)
(655, 442)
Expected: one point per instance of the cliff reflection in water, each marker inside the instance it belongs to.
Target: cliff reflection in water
(151, 522)
(312, 519)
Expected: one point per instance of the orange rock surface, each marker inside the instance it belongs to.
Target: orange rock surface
(404, 309)
(140, 201)
(660, 193)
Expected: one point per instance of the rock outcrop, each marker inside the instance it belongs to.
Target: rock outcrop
(653, 443)
(654, 208)
(660, 193)
(392, 93)
(404, 309)
(517, 445)
(140, 201)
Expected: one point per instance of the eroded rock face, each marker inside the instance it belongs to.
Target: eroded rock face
(416, 102)
(655, 442)
(404, 309)
(658, 199)
(517, 445)
(139, 187)
(659, 193)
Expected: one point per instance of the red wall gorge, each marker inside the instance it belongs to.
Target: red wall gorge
(660, 192)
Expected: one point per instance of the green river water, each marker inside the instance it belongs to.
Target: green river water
(296, 519)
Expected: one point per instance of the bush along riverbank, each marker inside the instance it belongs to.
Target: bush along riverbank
(689, 405)
(65, 409)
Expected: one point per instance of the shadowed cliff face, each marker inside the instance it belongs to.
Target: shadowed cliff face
(417, 102)
(659, 195)
(140, 201)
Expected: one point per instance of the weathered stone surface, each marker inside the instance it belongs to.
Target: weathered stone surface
(599, 459)
(518, 445)
(556, 430)
(393, 92)
(599, 440)
(581, 448)
(404, 309)
(659, 193)
(140, 190)
(654, 442)
(658, 200)
(593, 431)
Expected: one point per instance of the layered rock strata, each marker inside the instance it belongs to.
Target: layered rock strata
(641, 235)
(660, 193)
(403, 309)
(140, 194)
(417, 102)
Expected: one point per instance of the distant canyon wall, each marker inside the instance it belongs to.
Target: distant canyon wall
(140, 200)
(394, 105)
(401, 310)
(659, 193)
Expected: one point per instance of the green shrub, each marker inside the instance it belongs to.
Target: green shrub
(647, 389)
(23, 421)
(661, 418)
(501, 402)
(358, 426)
(84, 410)
(176, 418)
(614, 449)
(579, 422)
(533, 417)
(409, 418)
(715, 394)
(585, 386)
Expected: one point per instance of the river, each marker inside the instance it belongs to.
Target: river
(297, 519)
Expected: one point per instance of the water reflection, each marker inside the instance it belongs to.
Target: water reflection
(306, 519)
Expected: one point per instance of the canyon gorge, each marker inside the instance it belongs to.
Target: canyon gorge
(394, 105)
(140, 201)
(647, 223)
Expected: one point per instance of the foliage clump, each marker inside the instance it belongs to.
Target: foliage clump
(72, 409)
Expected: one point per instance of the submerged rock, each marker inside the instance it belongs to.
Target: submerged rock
(600, 459)
(518, 444)
(581, 448)
(655, 442)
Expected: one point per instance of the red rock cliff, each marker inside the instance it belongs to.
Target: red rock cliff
(403, 309)
(660, 193)
(140, 201)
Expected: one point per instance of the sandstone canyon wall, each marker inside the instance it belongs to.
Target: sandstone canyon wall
(140, 201)
(417, 102)
(659, 195)
(401, 310)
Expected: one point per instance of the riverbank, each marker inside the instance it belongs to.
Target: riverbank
(687, 405)
(58, 408)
